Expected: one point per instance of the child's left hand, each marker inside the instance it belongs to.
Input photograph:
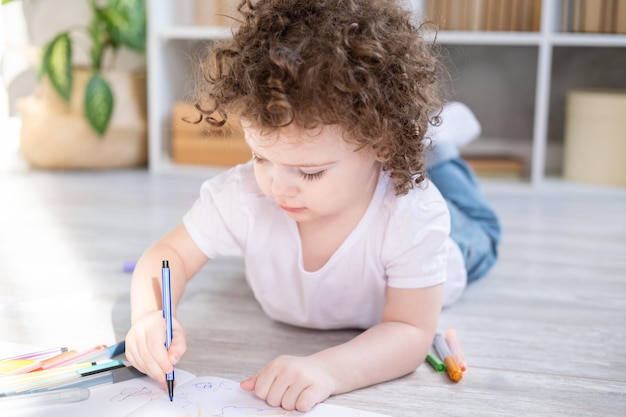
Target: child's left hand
(291, 382)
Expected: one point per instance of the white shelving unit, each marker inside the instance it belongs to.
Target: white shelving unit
(174, 47)
(174, 44)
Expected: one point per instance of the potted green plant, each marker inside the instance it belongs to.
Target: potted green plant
(118, 23)
(87, 93)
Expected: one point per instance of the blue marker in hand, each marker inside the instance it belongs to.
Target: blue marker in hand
(166, 293)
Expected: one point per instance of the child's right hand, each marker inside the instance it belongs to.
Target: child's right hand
(145, 345)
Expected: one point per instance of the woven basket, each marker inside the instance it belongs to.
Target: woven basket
(56, 135)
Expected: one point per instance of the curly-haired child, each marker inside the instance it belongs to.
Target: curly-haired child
(346, 216)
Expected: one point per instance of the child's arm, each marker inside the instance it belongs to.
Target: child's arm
(145, 340)
(393, 348)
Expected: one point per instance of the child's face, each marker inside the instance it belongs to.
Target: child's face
(313, 174)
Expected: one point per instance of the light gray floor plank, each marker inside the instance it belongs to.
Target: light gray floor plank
(543, 333)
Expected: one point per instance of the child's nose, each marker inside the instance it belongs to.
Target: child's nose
(283, 184)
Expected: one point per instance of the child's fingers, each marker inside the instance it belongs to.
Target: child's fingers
(249, 383)
(132, 356)
(179, 343)
(298, 397)
(308, 397)
(263, 381)
(160, 363)
(139, 355)
(146, 346)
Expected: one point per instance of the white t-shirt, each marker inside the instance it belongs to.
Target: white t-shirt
(401, 241)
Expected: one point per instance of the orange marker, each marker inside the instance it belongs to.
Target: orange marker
(454, 372)
(73, 358)
(455, 347)
(55, 360)
(39, 366)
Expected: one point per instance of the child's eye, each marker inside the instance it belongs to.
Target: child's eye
(311, 177)
(257, 159)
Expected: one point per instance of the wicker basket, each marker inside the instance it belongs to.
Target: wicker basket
(56, 135)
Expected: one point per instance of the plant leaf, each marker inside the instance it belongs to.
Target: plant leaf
(43, 65)
(97, 34)
(126, 21)
(6, 1)
(98, 103)
(57, 65)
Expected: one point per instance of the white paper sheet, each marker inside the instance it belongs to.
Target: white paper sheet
(204, 396)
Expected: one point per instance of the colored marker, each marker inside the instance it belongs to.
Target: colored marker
(40, 363)
(39, 358)
(166, 295)
(77, 357)
(26, 369)
(455, 348)
(112, 376)
(434, 361)
(129, 266)
(56, 379)
(56, 361)
(14, 365)
(40, 399)
(41, 379)
(31, 376)
(444, 353)
(116, 349)
(101, 367)
(39, 355)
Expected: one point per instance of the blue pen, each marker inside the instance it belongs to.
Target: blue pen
(166, 292)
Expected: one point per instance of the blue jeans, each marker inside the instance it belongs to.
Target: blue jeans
(474, 225)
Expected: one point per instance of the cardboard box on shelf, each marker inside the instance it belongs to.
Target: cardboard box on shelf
(200, 144)
(215, 12)
(595, 136)
(496, 166)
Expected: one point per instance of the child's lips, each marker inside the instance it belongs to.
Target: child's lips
(293, 209)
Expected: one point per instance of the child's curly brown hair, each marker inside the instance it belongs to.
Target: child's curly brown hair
(361, 64)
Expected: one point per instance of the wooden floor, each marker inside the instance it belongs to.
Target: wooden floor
(544, 333)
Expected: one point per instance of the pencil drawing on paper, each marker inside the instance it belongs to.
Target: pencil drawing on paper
(143, 393)
(201, 397)
(210, 386)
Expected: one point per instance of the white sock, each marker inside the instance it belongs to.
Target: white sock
(458, 125)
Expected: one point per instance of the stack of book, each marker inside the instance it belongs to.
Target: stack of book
(484, 15)
(593, 16)
(585, 16)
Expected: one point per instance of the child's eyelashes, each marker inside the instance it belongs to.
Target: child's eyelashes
(257, 159)
(306, 175)
(311, 177)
